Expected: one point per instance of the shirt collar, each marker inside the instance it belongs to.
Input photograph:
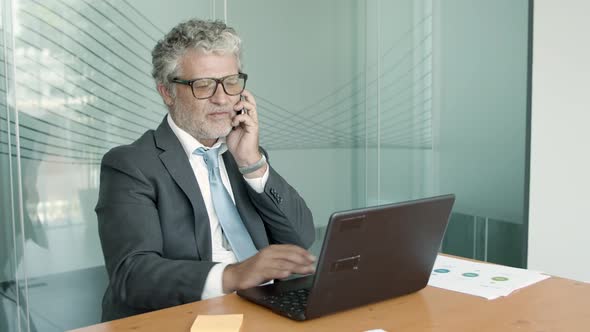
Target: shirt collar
(189, 143)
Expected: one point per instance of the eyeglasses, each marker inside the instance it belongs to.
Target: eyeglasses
(204, 88)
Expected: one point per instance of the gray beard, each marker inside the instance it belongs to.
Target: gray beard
(197, 128)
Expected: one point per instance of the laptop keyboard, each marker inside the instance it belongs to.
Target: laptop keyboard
(293, 301)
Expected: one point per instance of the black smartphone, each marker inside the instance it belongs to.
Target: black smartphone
(243, 110)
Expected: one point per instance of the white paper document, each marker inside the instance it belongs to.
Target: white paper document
(485, 280)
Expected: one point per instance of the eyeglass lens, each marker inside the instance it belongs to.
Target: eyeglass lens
(206, 87)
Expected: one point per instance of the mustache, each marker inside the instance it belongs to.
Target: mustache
(219, 110)
(210, 109)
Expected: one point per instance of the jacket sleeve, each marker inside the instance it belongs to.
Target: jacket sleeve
(132, 241)
(286, 216)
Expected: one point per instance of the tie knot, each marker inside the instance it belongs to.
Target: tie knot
(210, 156)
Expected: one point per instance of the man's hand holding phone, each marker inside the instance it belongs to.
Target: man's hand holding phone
(242, 141)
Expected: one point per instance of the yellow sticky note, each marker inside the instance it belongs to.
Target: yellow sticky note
(217, 323)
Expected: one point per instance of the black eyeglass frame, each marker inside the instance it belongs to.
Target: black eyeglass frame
(218, 81)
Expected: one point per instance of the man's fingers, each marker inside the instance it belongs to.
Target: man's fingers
(285, 265)
(288, 261)
(244, 104)
(245, 119)
(273, 262)
(276, 274)
(303, 269)
(290, 248)
(249, 97)
(282, 274)
(291, 253)
(248, 103)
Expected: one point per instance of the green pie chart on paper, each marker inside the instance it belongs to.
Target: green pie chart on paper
(500, 279)
(442, 271)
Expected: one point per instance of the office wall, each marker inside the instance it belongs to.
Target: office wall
(483, 97)
(559, 218)
(480, 98)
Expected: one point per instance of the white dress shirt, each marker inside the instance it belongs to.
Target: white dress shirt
(213, 284)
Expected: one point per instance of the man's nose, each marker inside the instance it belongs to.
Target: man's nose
(219, 97)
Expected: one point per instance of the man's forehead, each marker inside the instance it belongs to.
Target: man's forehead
(199, 62)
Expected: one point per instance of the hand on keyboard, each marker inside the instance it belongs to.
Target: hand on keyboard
(272, 262)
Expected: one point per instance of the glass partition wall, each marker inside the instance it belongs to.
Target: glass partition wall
(360, 103)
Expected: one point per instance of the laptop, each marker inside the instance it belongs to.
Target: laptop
(368, 255)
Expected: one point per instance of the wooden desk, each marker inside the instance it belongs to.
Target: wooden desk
(554, 304)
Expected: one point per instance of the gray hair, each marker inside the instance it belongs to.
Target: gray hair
(208, 36)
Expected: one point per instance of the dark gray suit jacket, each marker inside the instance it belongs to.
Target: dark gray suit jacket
(154, 228)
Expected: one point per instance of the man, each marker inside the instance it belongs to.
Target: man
(193, 210)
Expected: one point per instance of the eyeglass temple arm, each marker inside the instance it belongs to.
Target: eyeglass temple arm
(179, 81)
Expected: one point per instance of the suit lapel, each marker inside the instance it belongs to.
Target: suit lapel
(174, 159)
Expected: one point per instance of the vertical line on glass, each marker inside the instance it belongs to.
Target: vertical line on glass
(213, 9)
(225, 11)
(11, 100)
(436, 94)
(474, 236)
(419, 87)
(485, 248)
(366, 106)
(378, 101)
(5, 23)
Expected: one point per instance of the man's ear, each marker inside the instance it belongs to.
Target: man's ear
(166, 96)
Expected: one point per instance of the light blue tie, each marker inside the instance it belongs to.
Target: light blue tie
(229, 218)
